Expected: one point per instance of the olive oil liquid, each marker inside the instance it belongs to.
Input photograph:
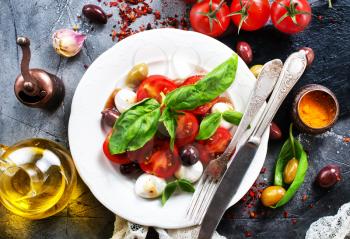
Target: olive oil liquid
(33, 181)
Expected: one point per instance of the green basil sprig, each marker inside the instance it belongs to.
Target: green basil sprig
(171, 187)
(169, 119)
(135, 127)
(205, 90)
(291, 148)
(211, 123)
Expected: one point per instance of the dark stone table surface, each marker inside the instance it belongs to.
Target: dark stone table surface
(85, 217)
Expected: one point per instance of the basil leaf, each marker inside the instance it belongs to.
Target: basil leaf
(211, 86)
(185, 185)
(291, 148)
(168, 191)
(135, 127)
(209, 125)
(169, 120)
(234, 117)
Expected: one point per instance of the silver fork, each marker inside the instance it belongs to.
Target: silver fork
(208, 182)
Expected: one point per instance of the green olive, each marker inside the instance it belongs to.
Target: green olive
(256, 69)
(137, 74)
(290, 170)
(271, 195)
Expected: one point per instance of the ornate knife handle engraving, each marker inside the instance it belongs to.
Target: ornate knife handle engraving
(292, 70)
(265, 83)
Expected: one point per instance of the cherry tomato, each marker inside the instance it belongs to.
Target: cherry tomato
(116, 158)
(204, 155)
(192, 80)
(210, 17)
(141, 154)
(250, 15)
(186, 130)
(163, 162)
(217, 143)
(290, 16)
(153, 86)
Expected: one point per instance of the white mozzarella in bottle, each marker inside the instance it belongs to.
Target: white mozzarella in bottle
(124, 99)
(149, 186)
(191, 173)
(222, 107)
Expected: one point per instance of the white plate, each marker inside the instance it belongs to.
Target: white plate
(171, 52)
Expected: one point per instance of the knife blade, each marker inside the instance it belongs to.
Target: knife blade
(291, 72)
(229, 184)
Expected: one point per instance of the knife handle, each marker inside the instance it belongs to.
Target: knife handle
(292, 70)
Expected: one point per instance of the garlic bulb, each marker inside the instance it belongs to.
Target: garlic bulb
(67, 42)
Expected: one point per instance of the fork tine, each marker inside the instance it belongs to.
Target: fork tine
(208, 196)
(196, 196)
(200, 198)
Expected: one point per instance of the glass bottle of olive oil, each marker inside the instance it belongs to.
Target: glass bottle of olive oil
(37, 178)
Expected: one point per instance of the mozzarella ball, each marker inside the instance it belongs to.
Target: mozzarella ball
(149, 186)
(191, 173)
(124, 99)
(222, 107)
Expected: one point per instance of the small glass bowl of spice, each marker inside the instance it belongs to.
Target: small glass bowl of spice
(315, 109)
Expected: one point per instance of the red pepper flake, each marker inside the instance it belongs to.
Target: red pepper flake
(157, 15)
(113, 4)
(263, 170)
(294, 221)
(251, 193)
(114, 34)
(304, 198)
(252, 214)
(346, 139)
(285, 214)
(248, 234)
(320, 17)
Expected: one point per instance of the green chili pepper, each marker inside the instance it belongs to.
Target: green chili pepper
(291, 148)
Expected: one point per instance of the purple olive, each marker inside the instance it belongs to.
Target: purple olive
(95, 13)
(275, 132)
(129, 168)
(189, 155)
(328, 176)
(109, 116)
(244, 50)
(310, 55)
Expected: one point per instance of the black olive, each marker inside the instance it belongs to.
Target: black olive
(189, 155)
(328, 176)
(129, 168)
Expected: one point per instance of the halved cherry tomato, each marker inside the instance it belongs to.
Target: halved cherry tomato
(153, 86)
(204, 156)
(116, 158)
(163, 162)
(192, 80)
(187, 129)
(217, 143)
(141, 154)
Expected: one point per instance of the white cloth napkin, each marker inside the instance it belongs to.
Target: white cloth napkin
(127, 230)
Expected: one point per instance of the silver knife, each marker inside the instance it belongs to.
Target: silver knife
(292, 70)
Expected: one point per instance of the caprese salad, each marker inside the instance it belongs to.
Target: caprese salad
(168, 130)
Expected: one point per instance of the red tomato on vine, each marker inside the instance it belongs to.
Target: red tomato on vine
(250, 15)
(290, 16)
(210, 17)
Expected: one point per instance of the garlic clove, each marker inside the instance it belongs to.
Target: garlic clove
(67, 42)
